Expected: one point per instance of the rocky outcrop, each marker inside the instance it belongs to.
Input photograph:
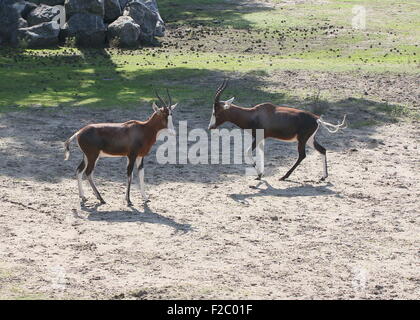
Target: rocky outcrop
(41, 35)
(95, 7)
(41, 14)
(90, 22)
(125, 31)
(9, 22)
(48, 2)
(112, 10)
(144, 17)
(88, 29)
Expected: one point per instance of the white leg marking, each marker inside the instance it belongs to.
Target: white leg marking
(259, 166)
(79, 180)
(141, 179)
(310, 141)
(249, 155)
(325, 166)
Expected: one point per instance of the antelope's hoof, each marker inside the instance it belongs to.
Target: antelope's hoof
(83, 200)
(129, 204)
(146, 200)
(283, 178)
(323, 178)
(102, 201)
(259, 177)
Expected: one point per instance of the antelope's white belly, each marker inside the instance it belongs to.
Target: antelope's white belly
(107, 155)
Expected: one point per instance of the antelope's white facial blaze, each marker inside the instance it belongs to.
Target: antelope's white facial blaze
(212, 120)
(171, 128)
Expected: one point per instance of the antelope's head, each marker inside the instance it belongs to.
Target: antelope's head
(165, 112)
(219, 114)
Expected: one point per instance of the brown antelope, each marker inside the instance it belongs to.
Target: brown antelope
(282, 123)
(132, 139)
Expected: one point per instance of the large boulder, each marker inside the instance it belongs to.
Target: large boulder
(87, 29)
(48, 2)
(52, 2)
(24, 7)
(144, 17)
(95, 7)
(125, 31)
(41, 35)
(123, 3)
(42, 13)
(9, 21)
(112, 10)
(160, 25)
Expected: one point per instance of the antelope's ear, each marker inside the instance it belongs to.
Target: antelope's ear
(172, 107)
(155, 108)
(228, 103)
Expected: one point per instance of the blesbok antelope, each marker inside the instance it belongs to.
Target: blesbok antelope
(282, 123)
(132, 139)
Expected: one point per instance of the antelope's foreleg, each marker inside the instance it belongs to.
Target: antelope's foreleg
(259, 147)
(140, 173)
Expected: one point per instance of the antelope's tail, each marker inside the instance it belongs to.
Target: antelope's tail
(335, 127)
(67, 144)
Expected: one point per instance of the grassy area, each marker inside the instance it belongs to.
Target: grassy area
(208, 40)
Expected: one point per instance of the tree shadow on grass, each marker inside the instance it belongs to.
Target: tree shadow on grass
(134, 215)
(209, 12)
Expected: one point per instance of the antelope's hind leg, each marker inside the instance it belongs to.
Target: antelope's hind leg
(314, 144)
(323, 152)
(89, 172)
(302, 155)
(79, 173)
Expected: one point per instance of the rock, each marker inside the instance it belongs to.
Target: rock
(123, 3)
(160, 25)
(22, 23)
(144, 17)
(95, 7)
(125, 30)
(112, 10)
(52, 2)
(47, 2)
(88, 29)
(41, 35)
(24, 8)
(9, 21)
(42, 13)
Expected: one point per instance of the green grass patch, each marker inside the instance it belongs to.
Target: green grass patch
(244, 40)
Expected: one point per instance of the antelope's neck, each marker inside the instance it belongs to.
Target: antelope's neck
(242, 117)
(154, 124)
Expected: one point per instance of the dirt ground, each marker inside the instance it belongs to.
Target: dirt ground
(209, 231)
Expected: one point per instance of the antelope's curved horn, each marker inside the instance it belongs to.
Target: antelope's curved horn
(160, 99)
(220, 90)
(169, 97)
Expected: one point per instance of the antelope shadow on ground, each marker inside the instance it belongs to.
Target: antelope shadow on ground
(134, 215)
(265, 189)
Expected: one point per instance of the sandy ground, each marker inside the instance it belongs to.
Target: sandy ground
(206, 233)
